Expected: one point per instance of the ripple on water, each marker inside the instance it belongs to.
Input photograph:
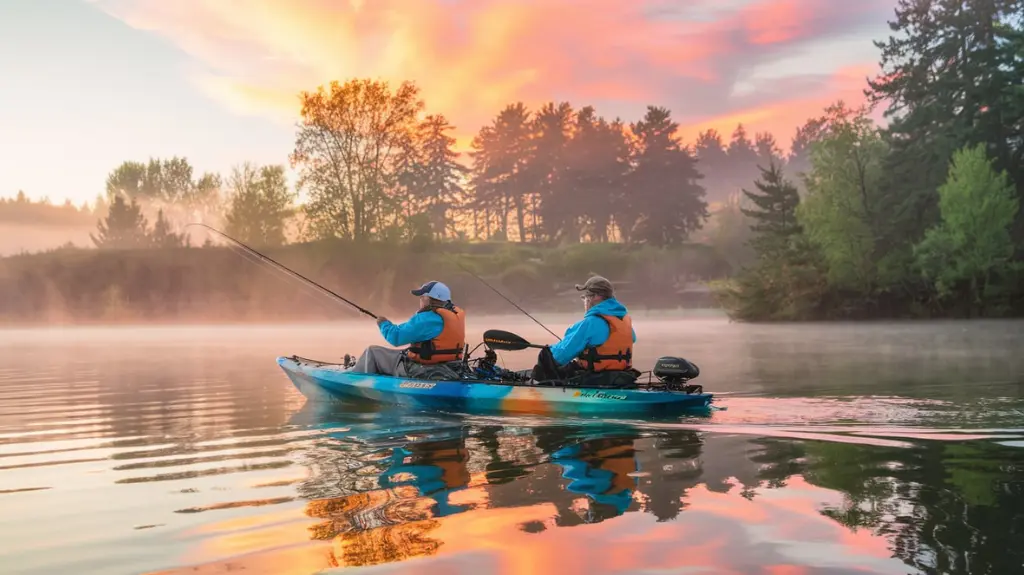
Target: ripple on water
(169, 458)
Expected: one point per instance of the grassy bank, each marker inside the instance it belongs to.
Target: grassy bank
(219, 284)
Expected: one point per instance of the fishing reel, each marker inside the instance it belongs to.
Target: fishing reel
(675, 372)
(487, 366)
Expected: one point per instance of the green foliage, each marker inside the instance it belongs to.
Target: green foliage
(260, 205)
(774, 216)
(787, 281)
(970, 251)
(875, 208)
(841, 214)
(866, 227)
(952, 77)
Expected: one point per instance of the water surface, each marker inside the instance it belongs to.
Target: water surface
(842, 448)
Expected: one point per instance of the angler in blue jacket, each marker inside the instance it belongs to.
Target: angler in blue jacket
(435, 334)
(601, 341)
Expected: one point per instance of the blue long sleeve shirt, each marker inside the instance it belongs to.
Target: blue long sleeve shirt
(420, 327)
(591, 331)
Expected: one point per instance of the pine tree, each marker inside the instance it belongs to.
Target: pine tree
(666, 193)
(124, 226)
(162, 236)
(775, 217)
(434, 176)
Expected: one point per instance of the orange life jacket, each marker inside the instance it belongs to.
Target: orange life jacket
(449, 345)
(616, 353)
(616, 456)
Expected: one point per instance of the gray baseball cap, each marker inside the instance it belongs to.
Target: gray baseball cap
(597, 285)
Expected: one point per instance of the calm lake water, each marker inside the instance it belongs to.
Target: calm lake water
(843, 448)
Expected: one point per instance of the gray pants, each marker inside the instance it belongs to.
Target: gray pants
(382, 360)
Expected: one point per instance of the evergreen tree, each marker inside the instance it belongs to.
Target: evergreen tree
(163, 237)
(713, 162)
(775, 214)
(952, 76)
(433, 176)
(124, 227)
(549, 168)
(666, 197)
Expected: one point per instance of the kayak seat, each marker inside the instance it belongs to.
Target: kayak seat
(610, 379)
(600, 379)
(450, 371)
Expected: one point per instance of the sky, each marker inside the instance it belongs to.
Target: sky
(88, 84)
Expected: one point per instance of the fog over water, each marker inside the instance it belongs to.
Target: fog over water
(840, 448)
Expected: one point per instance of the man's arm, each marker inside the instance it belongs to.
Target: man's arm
(420, 327)
(578, 337)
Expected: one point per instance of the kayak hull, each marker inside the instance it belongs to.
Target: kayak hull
(319, 381)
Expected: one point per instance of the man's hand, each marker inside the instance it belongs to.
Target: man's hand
(381, 319)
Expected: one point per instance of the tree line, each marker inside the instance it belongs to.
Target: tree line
(20, 210)
(921, 217)
(375, 168)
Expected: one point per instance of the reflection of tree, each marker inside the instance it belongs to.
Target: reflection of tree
(779, 460)
(386, 544)
(945, 507)
(674, 466)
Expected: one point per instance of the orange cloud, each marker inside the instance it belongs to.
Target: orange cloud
(471, 58)
(783, 117)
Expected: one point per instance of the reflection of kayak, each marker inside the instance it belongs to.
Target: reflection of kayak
(315, 379)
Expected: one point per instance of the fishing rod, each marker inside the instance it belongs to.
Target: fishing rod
(284, 268)
(508, 300)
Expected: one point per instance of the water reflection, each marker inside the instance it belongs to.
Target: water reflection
(192, 454)
(490, 495)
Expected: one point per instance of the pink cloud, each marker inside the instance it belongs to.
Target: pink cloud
(471, 58)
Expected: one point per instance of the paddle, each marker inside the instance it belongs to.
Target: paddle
(506, 341)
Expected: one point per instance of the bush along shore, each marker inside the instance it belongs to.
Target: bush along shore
(222, 284)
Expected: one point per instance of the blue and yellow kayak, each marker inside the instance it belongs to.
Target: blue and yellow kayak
(319, 380)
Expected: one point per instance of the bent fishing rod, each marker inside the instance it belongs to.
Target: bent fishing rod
(285, 269)
(481, 280)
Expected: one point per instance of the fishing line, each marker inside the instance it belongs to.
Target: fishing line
(258, 262)
(508, 300)
(285, 269)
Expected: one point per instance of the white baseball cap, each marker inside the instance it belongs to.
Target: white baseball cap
(434, 289)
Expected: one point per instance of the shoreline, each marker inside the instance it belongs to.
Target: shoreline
(703, 314)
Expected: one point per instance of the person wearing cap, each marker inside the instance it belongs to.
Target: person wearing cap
(601, 341)
(435, 334)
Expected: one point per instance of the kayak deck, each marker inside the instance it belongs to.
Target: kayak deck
(318, 380)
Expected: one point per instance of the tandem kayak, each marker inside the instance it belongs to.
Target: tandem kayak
(320, 380)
